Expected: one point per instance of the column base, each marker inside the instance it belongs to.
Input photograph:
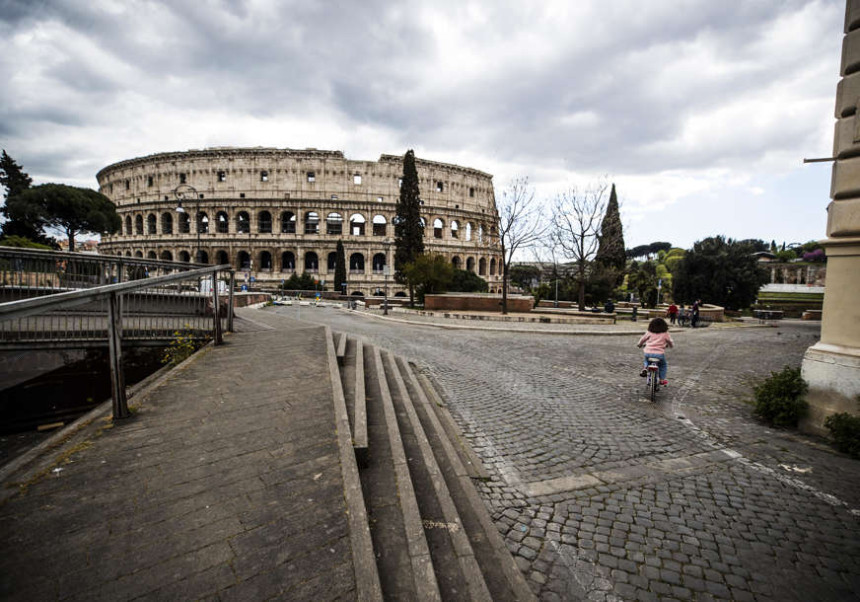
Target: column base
(833, 374)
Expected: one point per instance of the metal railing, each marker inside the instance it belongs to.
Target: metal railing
(153, 309)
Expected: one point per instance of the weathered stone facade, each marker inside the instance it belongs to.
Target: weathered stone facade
(271, 212)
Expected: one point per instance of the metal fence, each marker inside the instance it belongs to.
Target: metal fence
(195, 303)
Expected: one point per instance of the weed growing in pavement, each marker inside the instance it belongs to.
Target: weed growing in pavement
(181, 347)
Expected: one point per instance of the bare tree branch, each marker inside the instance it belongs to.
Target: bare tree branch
(519, 225)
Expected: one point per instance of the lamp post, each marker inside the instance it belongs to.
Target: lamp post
(184, 192)
(386, 270)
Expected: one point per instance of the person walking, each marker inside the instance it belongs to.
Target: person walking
(694, 313)
(672, 313)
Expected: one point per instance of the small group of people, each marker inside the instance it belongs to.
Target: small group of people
(683, 315)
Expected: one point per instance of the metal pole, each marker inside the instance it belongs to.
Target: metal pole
(216, 314)
(117, 377)
(230, 302)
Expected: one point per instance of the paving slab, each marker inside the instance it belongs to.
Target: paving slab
(225, 483)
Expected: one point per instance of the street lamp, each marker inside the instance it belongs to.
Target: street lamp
(184, 192)
(386, 270)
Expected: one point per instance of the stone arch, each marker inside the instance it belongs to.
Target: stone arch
(456, 262)
(470, 264)
(356, 263)
(312, 262)
(331, 264)
(138, 254)
(492, 266)
(378, 263)
(288, 261)
(166, 223)
(138, 224)
(264, 222)
(166, 255)
(455, 229)
(185, 256)
(243, 260)
(183, 223)
(266, 260)
(312, 222)
(357, 294)
(470, 227)
(482, 266)
(334, 224)
(151, 224)
(203, 257)
(288, 222)
(222, 222)
(399, 294)
(380, 225)
(202, 223)
(221, 257)
(243, 223)
(151, 255)
(356, 224)
(128, 229)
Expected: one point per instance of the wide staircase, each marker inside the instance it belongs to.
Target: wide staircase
(432, 537)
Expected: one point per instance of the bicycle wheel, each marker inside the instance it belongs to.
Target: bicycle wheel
(652, 385)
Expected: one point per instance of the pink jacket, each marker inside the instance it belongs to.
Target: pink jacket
(656, 343)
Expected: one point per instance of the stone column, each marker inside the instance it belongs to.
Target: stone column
(832, 366)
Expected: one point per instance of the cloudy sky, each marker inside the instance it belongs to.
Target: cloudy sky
(699, 111)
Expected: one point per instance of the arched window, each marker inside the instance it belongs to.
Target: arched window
(334, 224)
(378, 263)
(469, 228)
(151, 224)
(331, 264)
(203, 257)
(266, 260)
(312, 262)
(493, 266)
(455, 229)
(243, 223)
(356, 224)
(264, 222)
(222, 222)
(288, 262)
(288, 222)
(423, 223)
(166, 223)
(138, 224)
(243, 260)
(202, 223)
(221, 258)
(480, 232)
(128, 225)
(138, 254)
(438, 225)
(455, 261)
(356, 263)
(470, 264)
(482, 266)
(128, 253)
(184, 256)
(151, 255)
(184, 224)
(312, 222)
(166, 256)
(379, 225)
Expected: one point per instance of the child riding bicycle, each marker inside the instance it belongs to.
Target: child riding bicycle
(655, 341)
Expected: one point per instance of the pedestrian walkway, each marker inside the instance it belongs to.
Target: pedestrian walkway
(226, 482)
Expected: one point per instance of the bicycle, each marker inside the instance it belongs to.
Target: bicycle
(652, 385)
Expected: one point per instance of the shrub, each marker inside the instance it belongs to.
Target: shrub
(779, 399)
(181, 347)
(845, 430)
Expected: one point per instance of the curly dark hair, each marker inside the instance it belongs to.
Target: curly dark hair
(658, 325)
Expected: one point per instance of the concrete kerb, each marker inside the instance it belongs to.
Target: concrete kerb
(49, 452)
(367, 582)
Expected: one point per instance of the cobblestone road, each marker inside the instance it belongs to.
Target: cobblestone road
(601, 495)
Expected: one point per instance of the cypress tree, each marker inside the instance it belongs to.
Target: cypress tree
(408, 231)
(339, 267)
(610, 253)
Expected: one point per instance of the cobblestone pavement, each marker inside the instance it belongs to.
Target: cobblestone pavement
(601, 495)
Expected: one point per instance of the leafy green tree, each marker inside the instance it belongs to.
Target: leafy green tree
(339, 266)
(68, 208)
(15, 181)
(430, 273)
(305, 282)
(408, 231)
(523, 275)
(720, 271)
(464, 281)
(643, 279)
(22, 243)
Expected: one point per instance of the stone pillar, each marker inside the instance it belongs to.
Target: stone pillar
(832, 366)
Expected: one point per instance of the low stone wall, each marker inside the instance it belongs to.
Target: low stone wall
(477, 302)
(246, 299)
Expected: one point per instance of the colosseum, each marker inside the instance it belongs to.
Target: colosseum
(274, 212)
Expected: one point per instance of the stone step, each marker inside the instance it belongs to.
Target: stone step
(353, 382)
(402, 554)
(457, 572)
(503, 578)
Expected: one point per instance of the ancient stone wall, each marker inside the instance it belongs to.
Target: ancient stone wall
(273, 212)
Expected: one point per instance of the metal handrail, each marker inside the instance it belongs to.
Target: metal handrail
(113, 293)
(62, 255)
